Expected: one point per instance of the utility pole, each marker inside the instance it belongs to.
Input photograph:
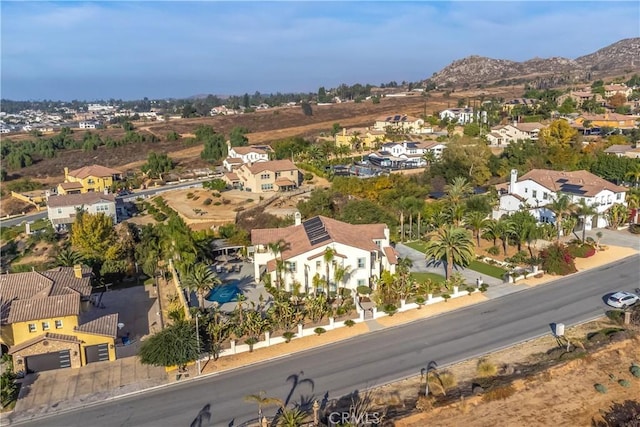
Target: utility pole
(198, 343)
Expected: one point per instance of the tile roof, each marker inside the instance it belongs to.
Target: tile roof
(79, 199)
(529, 127)
(618, 148)
(71, 185)
(47, 336)
(273, 166)
(581, 183)
(234, 160)
(360, 236)
(609, 117)
(94, 170)
(284, 182)
(24, 310)
(391, 254)
(105, 325)
(262, 149)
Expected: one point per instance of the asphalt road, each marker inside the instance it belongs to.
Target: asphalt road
(370, 359)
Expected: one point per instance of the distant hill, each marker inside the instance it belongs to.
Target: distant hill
(621, 56)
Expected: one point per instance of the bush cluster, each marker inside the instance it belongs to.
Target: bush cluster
(557, 259)
(582, 251)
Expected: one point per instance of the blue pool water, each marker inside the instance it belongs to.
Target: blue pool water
(225, 293)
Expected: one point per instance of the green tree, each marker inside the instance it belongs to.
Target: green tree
(582, 211)
(215, 148)
(175, 345)
(335, 129)
(201, 280)
(476, 221)
(559, 132)
(472, 130)
(237, 136)
(67, 257)
(452, 247)
(328, 257)
(306, 108)
(263, 401)
(560, 206)
(277, 248)
(94, 237)
(157, 164)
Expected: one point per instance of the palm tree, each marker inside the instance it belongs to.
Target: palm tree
(68, 258)
(505, 229)
(633, 202)
(583, 210)
(277, 248)
(329, 256)
(403, 269)
(560, 206)
(263, 401)
(476, 221)
(491, 231)
(430, 157)
(617, 215)
(201, 280)
(455, 214)
(340, 274)
(452, 246)
(458, 190)
(634, 174)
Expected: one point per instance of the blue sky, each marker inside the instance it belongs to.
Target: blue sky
(129, 50)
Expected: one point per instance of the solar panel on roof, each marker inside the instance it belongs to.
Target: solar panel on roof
(396, 118)
(315, 230)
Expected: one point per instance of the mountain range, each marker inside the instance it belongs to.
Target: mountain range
(622, 56)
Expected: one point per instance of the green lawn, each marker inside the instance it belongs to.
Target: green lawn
(418, 245)
(489, 270)
(422, 277)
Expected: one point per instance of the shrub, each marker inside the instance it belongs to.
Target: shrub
(249, 200)
(582, 251)
(364, 290)
(390, 309)
(445, 297)
(217, 204)
(635, 370)
(288, 336)
(484, 287)
(207, 202)
(189, 195)
(486, 368)
(519, 258)
(499, 393)
(600, 388)
(216, 194)
(470, 289)
(159, 216)
(420, 301)
(634, 228)
(349, 323)
(616, 316)
(448, 380)
(319, 331)
(493, 250)
(624, 383)
(557, 259)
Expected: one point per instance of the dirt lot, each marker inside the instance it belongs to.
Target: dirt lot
(562, 395)
(190, 204)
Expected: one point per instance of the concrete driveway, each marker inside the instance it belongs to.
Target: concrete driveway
(622, 238)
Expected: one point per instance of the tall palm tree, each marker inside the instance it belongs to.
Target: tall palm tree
(560, 206)
(68, 258)
(430, 157)
(633, 202)
(277, 248)
(458, 190)
(583, 210)
(451, 246)
(505, 229)
(403, 269)
(476, 222)
(455, 214)
(328, 257)
(634, 174)
(490, 231)
(340, 274)
(201, 280)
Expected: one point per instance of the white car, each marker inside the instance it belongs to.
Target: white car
(623, 299)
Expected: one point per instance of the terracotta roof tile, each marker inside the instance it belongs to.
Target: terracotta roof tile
(105, 325)
(261, 149)
(391, 254)
(47, 336)
(581, 183)
(94, 170)
(273, 166)
(25, 310)
(71, 185)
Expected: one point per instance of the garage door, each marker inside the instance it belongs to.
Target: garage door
(48, 361)
(97, 353)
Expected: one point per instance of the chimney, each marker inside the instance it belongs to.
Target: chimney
(513, 180)
(344, 131)
(77, 271)
(298, 218)
(106, 191)
(515, 123)
(66, 173)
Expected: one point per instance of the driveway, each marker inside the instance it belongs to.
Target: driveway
(622, 238)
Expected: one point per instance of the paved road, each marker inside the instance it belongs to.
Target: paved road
(370, 359)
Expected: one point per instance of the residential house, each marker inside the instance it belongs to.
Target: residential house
(531, 103)
(619, 150)
(402, 123)
(47, 324)
(238, 156)
(62, 209)
(89, 125)
(580, 96)
(364, 251)
(366, 137)
(87, 179)
(406, 154)
(461, 116)
(506, 134)
(265, 177)
(611, 90)
(539, 187)
(612, 120)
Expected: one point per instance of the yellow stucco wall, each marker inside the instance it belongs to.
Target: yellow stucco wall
(92, 183)
(91, 339)
(21, 329)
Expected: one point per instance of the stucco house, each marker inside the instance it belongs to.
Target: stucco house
(367, 137)
(461, 116)
(404, 123)
(238, 156)
(364, 251)
(62, 209)
(580, 96)
(88, 179)
(265, 177)
(540, 187)
(506, 134)
(613, 120)
(47, 322)
(614, 89)
(406, 154)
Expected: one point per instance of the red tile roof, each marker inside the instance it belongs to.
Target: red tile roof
(581, 183)
(90, 198)
(94, 170)
(273, 166)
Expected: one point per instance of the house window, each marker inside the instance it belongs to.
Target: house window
(362, 262)
(318, 265)
(266, 187)
(278, 174)
(534, 193)
(45, 326)
(545, 195)
(361, 282)
(58, 324)
(526, 190)
(32, 327)
(264, 176)
(291, 266)
(59, 210)
(618, 196)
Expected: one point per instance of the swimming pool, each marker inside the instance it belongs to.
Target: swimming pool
(225, 293)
